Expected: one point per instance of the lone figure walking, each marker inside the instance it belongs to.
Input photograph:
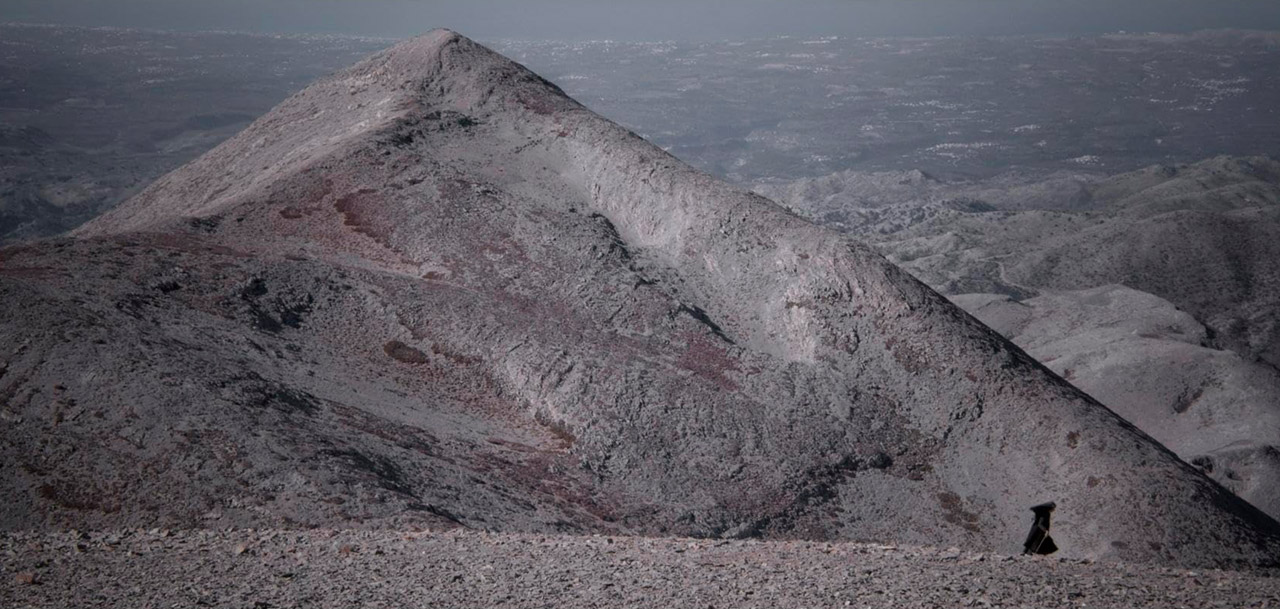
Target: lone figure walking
(1038, 540)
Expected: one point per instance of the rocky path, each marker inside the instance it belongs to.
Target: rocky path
(268, 569)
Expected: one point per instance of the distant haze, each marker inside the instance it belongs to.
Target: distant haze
(657, 19)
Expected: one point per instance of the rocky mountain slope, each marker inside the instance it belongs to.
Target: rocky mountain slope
(1153, 364)
(1153, 291)
(432, 289)
(1201, 235)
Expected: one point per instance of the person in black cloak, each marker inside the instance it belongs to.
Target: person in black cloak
(1038, 540)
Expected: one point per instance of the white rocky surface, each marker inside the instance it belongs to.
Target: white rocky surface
(1153, 290)
(1199, 235)
(1154, 365)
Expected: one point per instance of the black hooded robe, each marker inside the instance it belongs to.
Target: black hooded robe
(1038, 540)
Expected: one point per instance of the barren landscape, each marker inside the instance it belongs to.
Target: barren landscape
(1154, 290)
(271, 568)
(432, 287)
(90, 116)
(431, 331)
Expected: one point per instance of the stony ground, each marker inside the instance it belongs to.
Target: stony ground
(271, 568)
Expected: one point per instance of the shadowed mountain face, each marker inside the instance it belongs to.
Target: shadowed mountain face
(433, 289)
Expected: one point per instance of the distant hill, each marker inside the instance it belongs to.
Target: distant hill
(1201, 236)
(1156, 366)
(1155, 291)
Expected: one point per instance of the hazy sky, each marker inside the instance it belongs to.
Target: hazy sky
(656, 19)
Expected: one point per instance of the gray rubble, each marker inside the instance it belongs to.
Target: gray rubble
(284, 569)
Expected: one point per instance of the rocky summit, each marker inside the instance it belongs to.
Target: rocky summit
(432, 290)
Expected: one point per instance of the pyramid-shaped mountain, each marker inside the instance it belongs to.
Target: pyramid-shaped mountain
(432, 290)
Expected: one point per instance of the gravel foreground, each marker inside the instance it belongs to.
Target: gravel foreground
(270, 568)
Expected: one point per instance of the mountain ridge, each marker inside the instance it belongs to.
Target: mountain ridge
(682, 356)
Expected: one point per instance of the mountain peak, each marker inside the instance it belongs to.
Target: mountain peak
(441, 73)
(490, 261)
(417, 58)
(445, 68)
